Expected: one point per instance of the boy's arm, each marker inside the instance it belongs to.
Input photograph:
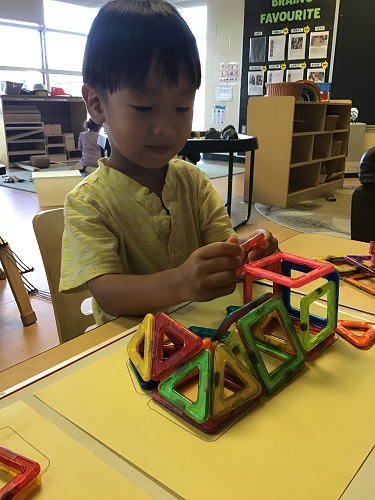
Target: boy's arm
(209, 272)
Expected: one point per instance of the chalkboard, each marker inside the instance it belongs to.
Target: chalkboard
(354, 66)
(285, 40)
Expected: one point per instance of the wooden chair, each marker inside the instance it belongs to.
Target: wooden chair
(70, 320)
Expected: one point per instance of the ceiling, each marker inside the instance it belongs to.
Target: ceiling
(99, 3)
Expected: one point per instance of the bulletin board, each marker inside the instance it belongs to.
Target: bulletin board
(354, 70)
(285, 40)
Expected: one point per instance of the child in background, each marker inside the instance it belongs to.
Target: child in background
(88, 144)
(146, 231)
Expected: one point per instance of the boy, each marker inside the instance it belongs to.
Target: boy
(145, 232)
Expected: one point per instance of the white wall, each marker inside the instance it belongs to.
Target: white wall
(22, 10)
(224, 44)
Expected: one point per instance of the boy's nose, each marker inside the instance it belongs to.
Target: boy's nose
(163, 126)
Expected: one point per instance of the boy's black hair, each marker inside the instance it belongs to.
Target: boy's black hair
(125, 38)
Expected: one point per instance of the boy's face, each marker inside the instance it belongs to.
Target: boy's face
(149, 126)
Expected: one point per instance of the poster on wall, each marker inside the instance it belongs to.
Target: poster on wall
(276, 48)
(275, 76)
(224, 94)
(218, 115)
(319, 45)
(255, 82)
(293, 34)
(297, 46)
(316, 75)
(257, 49)
(292, 75)
(229, 72)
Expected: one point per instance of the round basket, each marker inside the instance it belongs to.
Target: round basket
(285, 88)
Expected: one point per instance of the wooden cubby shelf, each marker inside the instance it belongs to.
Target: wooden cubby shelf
(22, 126)
(298, 141)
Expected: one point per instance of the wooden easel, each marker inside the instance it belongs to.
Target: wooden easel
(13, 275)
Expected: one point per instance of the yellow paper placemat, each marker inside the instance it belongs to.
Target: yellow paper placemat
(307, 441)
(68, 469)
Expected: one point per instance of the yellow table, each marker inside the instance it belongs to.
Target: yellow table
(306, 441)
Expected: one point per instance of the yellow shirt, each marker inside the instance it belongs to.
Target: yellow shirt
(113, 225)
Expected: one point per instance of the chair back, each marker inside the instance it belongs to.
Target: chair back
(70, 320)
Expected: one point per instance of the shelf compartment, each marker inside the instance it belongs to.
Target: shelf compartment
(330, 122)
(312, 192)
(343, 112)
(322, 146)
(27, 152)
(301, 178)
(74, 154)
(56, 140)
(23, 125)
(302, 148)
(56, 149)
(14, 147)
(344, 138)
(336, 147)
(309, 117)
(57, 157)
(334, 168)
(16, 134)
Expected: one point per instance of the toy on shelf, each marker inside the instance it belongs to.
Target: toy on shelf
(310, 91)
(209, 376)
(24, 473)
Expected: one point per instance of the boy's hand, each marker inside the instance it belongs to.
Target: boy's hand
(210, 271)
(267, 246)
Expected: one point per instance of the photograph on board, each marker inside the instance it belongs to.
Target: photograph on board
(318, 44)
(296, 46)
(316, 75)
(257, 49)
(276, 48)
(275, 76)
(255, 83)
(292, 75)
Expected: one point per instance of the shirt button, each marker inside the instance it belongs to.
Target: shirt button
(156, 206)
(165, 223)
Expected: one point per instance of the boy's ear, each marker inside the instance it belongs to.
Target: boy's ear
(93, 103)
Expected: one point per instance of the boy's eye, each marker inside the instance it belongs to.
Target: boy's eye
(142, 109)
(182, 110)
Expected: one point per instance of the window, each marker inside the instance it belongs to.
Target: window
(196, 18)
(72, 84)
(66, 27)
(27, 78)
(65, 51)
(67, 17)
(23, 47)
(53, 54)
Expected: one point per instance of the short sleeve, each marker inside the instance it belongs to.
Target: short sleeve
(89, 245)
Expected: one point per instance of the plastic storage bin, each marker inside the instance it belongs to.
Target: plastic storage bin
(52, 187)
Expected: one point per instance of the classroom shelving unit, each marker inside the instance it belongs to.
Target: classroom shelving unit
(302, 148)
(22, 125)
